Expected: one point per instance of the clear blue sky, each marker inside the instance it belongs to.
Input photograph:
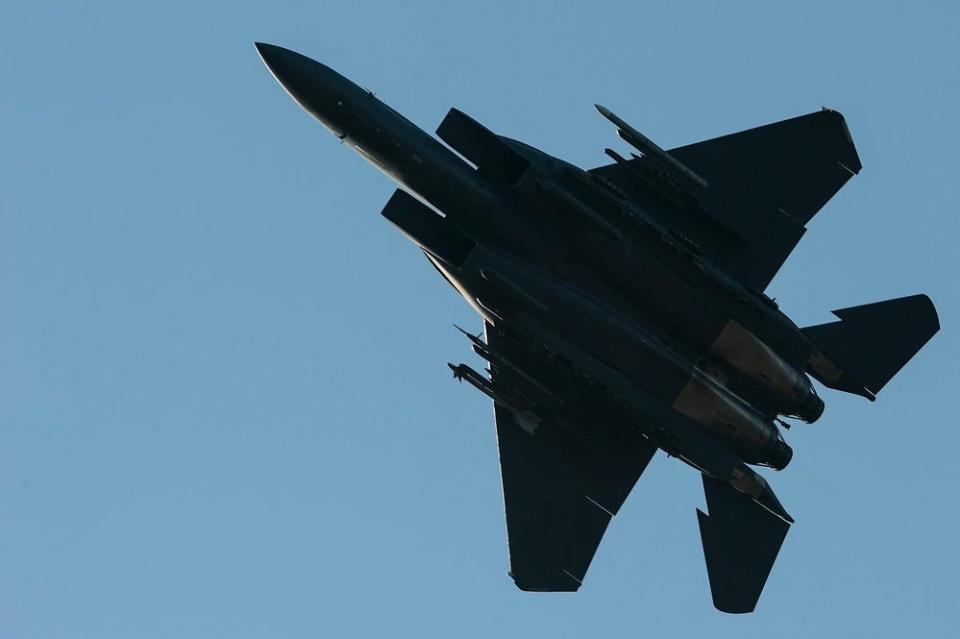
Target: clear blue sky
(224, 410)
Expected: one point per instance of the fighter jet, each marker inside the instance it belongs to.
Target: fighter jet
(624, 312)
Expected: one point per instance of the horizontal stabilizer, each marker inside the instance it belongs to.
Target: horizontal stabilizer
(741, 540)
(871, 343)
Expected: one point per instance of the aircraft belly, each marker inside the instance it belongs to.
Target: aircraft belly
(624, 312)
(501, 289)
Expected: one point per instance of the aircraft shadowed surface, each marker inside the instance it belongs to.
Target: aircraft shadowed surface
(624, 313)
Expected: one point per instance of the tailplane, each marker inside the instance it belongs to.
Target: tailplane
(741, 540)
(871, 343)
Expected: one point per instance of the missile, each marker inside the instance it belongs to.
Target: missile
(619, 159)
(500, 361)
(462, 372)
(545, 405)
(647, 147)
(527, 420)
(473, 338)
(479, 347)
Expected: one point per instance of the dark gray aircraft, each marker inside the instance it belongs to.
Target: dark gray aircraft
(624, 312)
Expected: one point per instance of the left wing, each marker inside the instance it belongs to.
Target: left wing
(559, 493)
(763, 186)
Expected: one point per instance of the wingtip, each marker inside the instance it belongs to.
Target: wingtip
(932, 315)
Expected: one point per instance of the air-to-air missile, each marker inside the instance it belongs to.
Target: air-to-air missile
(647, 147)
(624, 313)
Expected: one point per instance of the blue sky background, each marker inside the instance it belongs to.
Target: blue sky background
(224, 410)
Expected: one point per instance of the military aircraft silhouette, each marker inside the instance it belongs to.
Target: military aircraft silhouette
(624, 312)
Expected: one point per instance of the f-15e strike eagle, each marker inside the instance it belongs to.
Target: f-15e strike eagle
(624, 311)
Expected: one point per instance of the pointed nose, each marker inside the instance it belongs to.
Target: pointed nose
(316, 87)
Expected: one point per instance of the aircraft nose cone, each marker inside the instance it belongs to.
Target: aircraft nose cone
(277, 59)
(280, 61)
(314, 86)
(265, 50)
(298, 74)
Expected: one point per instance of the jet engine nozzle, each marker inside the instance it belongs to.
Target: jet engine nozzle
(780, 455)
(811, 409)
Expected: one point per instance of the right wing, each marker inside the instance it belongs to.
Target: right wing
(563, 482)
(559, 493)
